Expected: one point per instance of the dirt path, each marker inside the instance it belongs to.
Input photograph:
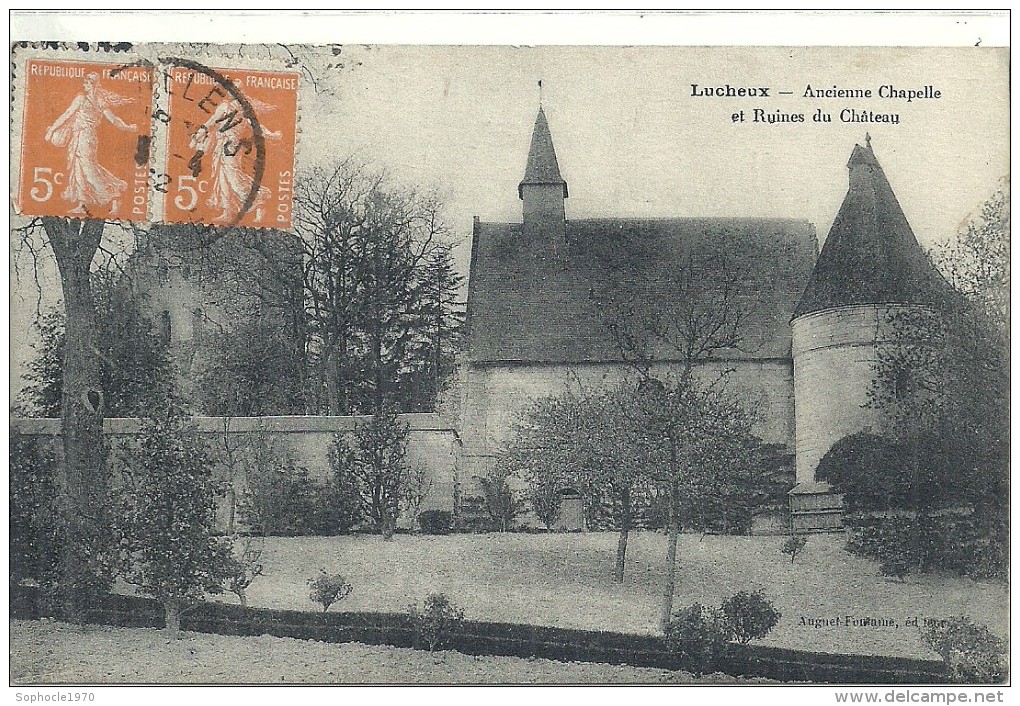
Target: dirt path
(58, 653)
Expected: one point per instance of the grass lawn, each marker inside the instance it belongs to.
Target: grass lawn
(57, 653)
(565, 580)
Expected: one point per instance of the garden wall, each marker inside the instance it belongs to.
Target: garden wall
(433, 443)
(494, 395)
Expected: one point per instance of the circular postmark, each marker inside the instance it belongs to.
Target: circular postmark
(221, 148)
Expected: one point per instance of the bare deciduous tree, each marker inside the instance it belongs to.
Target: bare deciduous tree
(584, 441)
(976, 260)
(665, 323)
(378, 286)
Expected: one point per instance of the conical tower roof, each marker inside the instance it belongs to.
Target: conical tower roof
(870, 255)
(542, 168)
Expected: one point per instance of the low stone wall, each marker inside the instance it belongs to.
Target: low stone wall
(433, 443)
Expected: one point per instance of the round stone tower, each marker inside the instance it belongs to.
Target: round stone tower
(870, 267)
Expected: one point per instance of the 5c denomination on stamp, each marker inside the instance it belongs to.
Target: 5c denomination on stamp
(231, 139)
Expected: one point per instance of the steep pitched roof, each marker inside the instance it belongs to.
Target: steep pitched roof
(527, 307)
(542, 167)
(870, 255)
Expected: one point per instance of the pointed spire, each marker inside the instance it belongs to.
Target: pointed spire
(542, 168)
(870, 255)
(863, 155)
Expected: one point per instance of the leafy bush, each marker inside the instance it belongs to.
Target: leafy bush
(437, 622)
(895, 566)
(286, 502)
(374, 472)
(652, 508)
(167, 516)
(971, 653)
(751, 615)
(757, 484)
(698, 635)
(868, 470)
(603, 508)
(327, 589)
(501, 502)
(545, 499)
(793, 546)
(473, 515)
(416, 489)
(435, 521)
(956, 542)
(34, 547)
(342, 509)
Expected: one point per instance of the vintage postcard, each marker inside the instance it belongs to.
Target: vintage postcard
(486, 363)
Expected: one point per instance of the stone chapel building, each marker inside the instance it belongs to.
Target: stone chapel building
(808, 341)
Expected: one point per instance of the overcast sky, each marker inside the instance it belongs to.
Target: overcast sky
(633, 142)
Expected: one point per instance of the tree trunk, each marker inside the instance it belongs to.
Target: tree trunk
(244, 598)
(172, 609)
(621, 544)
(332, 383)
(82, 480)
(388, 528)
(456, 482)
(231, 473)
(674, 538)
(232, 505)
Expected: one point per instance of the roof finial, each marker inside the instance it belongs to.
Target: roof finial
(867, 139)
(539, 93)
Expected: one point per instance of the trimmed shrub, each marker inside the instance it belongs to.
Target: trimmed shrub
(327, 589)
(436, 623)
(971, 653)
(868, 470)
(698, 636)
(751, 615)
(793, 546)
(435, 521)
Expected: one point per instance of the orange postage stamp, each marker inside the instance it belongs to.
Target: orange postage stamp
(230, 146)
(85, 140)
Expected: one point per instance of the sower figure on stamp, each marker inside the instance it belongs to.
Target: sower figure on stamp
(223, 138)
(88, 182)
